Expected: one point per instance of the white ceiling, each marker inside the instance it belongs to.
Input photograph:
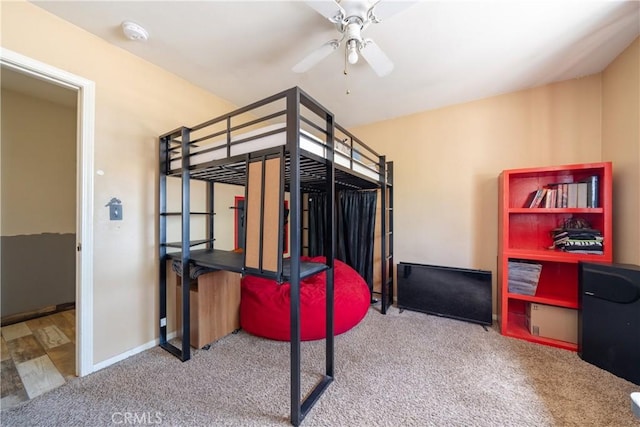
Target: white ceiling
(445, 52)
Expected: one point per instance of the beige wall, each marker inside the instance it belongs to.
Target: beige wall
(224, 197)
(447, 162)
(135, 102)
(621, 145)
(38, 166)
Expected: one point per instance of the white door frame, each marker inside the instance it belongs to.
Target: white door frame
(84, 193)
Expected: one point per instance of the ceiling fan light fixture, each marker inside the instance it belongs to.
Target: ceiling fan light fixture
(352, 52)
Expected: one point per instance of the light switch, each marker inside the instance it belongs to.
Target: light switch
(115, 212)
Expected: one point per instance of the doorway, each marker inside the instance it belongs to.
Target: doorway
(42, 73)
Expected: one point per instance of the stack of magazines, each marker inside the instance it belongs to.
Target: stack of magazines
(578, 240)
(524, 277)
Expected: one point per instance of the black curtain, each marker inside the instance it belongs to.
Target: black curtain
(355, 221)
(356, 230)
(317, 223)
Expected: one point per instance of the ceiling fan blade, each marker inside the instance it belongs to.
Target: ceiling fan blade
(316, 56)
(383, 10)
(380, 62)
(329, 9)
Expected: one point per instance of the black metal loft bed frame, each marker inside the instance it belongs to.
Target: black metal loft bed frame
(213, 152)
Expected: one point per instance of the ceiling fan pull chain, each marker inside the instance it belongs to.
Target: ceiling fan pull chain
(346, 71)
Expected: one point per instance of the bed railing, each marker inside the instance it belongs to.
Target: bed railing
(223, 138)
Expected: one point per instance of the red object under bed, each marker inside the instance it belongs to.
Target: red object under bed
(264, 304)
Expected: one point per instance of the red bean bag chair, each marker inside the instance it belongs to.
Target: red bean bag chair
(264, 304)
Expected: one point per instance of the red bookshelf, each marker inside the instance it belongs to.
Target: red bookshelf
(525, 235)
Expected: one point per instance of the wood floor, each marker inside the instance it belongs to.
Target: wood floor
(37, 355)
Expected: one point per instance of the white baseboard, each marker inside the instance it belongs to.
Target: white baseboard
(129, 353)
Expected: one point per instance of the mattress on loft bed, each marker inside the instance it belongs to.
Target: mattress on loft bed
(216, 150)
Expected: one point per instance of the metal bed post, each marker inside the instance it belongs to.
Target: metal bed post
(185, 354)
(386, 219)
(281, 226)
(246, 202)
(263, 172)
(162, 238)
(293, 138)
(330, 247)
(210, 214)
(391, 266)
(383, 232)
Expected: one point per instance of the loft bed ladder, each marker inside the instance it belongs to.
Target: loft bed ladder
(386, 245)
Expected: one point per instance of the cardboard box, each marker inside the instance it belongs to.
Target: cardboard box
(553, 322)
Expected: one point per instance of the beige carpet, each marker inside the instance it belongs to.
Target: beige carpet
(402, 369)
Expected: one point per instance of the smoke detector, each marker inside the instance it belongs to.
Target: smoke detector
(134, 31)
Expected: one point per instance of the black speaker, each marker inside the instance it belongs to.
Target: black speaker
(609, 318)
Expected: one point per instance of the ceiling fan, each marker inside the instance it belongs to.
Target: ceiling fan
(351, 17)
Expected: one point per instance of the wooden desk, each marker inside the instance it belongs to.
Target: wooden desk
(214, 306)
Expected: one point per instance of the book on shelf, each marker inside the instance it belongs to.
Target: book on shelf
(559, 195)
(582, 195)
(592, 191)
(572, 195)
(546, 202)
(563, 201)
(530, 198)
(562, 195)
(551, 198)
(535, 198)
(540, 197)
